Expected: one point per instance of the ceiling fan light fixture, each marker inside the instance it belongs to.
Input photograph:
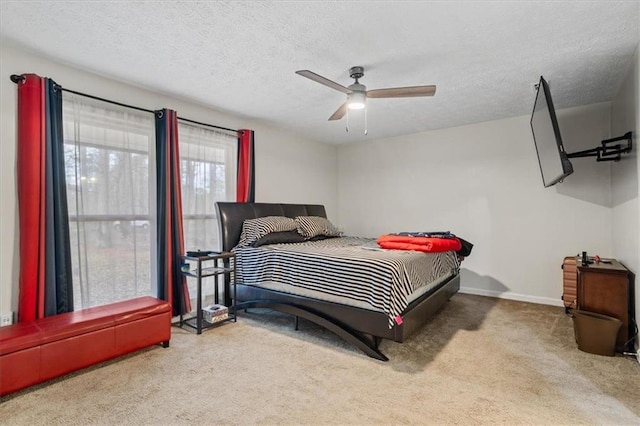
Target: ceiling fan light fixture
(357, 100)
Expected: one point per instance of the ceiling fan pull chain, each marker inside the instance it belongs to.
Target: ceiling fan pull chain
(366, 124)
(347, 128)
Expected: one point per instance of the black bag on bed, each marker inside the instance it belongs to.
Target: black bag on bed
(465, 251)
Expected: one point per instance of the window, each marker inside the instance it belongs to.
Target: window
(208, 163)
(108, 160)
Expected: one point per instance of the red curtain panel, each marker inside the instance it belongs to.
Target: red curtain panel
(31, 196)
(246, 192)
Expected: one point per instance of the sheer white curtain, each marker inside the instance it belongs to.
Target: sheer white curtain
(208, 164)
(109, 161)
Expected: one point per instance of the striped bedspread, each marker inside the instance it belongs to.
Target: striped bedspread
(348, 267)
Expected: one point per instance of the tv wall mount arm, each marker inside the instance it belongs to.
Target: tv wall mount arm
(609, 149)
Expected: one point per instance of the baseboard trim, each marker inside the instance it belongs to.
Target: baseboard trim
(512, 296)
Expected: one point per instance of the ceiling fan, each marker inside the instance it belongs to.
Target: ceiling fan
(357, 93)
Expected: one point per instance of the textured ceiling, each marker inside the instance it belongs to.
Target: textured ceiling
(241, 57)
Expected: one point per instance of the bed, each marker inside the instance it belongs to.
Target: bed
(362, 320)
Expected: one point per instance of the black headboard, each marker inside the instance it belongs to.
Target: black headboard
(232, 215)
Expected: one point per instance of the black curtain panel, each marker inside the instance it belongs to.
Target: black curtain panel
(172, 285)
(58, 283)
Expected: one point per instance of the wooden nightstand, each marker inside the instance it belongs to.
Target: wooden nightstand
(605, 288)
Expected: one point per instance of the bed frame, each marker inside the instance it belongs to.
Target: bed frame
(360, 327)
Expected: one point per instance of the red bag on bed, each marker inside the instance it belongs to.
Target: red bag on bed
(425, 244)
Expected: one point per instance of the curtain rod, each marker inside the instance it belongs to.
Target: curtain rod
(20, 78)
(208, 125)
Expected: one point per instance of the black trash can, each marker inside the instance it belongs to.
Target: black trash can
(596, 333)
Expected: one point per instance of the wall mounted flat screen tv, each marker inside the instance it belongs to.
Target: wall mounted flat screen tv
(553, 160)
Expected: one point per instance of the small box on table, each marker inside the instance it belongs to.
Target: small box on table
(215, 313)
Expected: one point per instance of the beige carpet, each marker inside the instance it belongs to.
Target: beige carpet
(479, 361)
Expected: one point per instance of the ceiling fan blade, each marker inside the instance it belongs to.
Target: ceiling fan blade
(340, 112)
(402, 92)
(320, 79)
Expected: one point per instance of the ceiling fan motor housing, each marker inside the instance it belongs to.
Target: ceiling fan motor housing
(357, 87)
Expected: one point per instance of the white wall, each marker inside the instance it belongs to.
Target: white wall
(480, 181)
(625, 116)
(583, 128)
(289, 168)
(483, 182)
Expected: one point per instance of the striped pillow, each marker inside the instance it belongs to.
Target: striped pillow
(254, 229)
(312, 226)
